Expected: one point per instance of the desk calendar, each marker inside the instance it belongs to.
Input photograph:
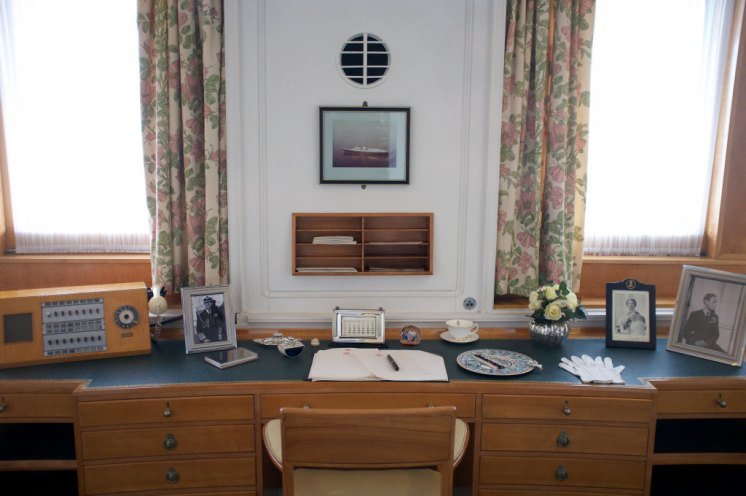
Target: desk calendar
(358, 326)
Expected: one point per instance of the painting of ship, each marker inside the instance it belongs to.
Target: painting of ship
(366, 151)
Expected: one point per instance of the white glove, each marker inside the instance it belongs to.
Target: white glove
(593, 371)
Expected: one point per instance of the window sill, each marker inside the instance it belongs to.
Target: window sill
(75, 258)
(662, 272)
(51, 271)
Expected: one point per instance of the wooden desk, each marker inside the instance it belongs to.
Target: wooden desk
(168, 423)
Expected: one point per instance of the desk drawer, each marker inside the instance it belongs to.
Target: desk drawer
(20, 405)
(154, 476)
(566, 408)
(565, 439)
(143, 411)
(521, 492)
(271, 403)
(167, 441)
(702, 401)
(550, 471)
(540, 492)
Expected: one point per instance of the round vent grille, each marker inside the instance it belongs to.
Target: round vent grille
(364, 60)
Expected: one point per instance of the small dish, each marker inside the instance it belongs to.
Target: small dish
(447, 336)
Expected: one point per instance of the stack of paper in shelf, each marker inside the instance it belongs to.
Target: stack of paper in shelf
(326, 269)
(395, 269)
(334, 240)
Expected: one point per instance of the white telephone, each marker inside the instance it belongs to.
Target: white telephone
(157, 305)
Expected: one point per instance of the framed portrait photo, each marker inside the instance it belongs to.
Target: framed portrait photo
(209, 322)
(630, 314)
(710, 314)
(364, 145)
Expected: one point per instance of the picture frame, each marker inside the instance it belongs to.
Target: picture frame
(364, 145)
(630, 315)
(709, 318)
(209, 322)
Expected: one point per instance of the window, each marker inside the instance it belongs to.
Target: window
(69, 87)
(364, 60)
(657, 77)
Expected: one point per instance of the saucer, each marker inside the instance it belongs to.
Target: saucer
(447, 336)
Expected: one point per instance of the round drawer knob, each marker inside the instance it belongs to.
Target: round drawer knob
(172, 475)
(306, 406)
(170, 442)
(167, 411)
(563, 440)
(3, 406)
(561, 472)
(721, 401)
(566, 409)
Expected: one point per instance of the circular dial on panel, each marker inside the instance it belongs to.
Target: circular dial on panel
(126, 316)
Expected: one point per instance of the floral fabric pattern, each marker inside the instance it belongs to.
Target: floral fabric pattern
(543, 151)
(183, 124)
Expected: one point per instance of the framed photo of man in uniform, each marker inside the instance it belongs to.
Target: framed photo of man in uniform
(710, 316)
(630, 314)
(209, 322)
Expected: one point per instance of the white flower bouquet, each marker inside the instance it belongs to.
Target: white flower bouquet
(555, 304)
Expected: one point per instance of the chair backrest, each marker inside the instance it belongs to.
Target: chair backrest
(368, 439)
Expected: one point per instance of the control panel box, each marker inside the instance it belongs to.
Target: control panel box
(73, 323)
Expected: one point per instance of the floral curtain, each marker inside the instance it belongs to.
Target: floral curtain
(544, 135)
(183, 123)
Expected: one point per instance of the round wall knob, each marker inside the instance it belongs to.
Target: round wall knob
(566, 409)
(561, 472)
(563, 440)
(172, 475)
(170, 442)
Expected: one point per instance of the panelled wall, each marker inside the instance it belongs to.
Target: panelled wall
(446, 60)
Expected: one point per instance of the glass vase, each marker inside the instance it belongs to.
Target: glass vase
(549, 335)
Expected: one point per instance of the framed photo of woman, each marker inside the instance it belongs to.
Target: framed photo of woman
(630, 314)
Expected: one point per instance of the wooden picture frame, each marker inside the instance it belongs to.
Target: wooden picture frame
(630, 314)
(710, 315)
(209, 321)
(364, 145)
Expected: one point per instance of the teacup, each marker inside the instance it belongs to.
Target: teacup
(462, 329)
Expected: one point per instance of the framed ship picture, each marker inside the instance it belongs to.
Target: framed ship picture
(364, 145)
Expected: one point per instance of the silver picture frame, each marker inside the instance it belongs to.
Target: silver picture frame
(709, 318)
(209, 321)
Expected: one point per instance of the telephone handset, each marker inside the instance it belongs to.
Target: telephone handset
(157, 305)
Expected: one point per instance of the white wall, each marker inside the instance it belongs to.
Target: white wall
(446, 65)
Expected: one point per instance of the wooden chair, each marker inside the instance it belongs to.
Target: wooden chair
(410, 451)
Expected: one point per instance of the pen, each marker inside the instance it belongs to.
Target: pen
(393, 362)
(491, 362)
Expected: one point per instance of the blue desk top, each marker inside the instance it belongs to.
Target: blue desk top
(168, 364)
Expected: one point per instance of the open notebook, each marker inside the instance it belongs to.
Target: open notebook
(365, 364)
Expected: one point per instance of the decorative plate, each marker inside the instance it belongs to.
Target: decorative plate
(501, 363)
